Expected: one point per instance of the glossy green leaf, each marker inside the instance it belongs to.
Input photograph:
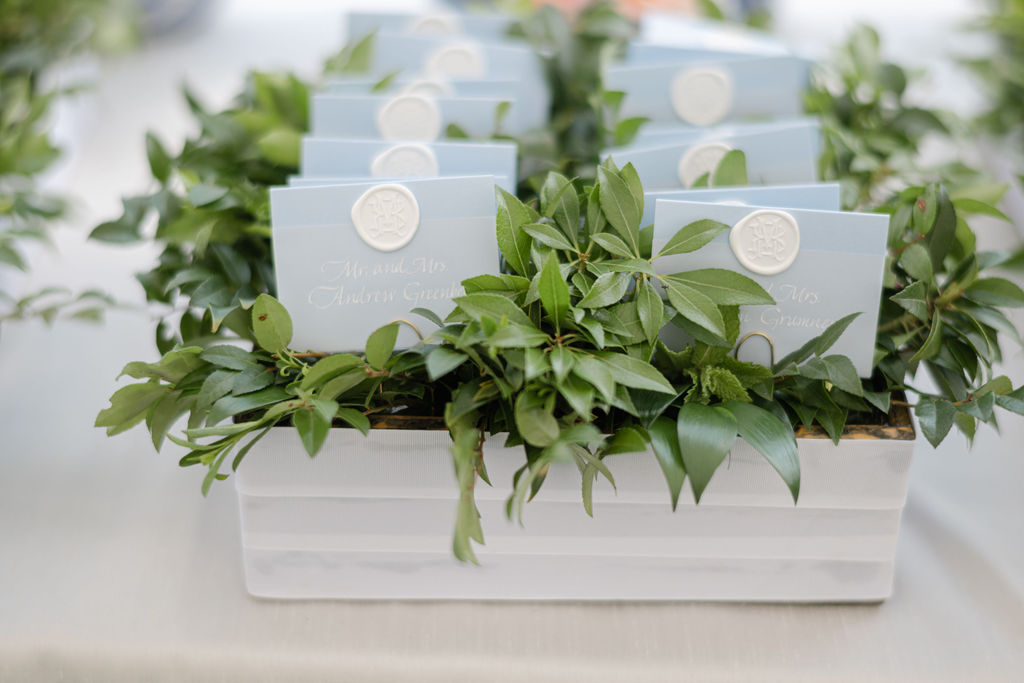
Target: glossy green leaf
(620, 208)
(692, 237)
(513, 242)
(380, 345)
(554, 291)
(731, 170)
(607, 290)
(329, 368)
(632, 372)
(914, 299)
(706, 435)
(695, 306)
(835, 369)
(560, 202)
(665, 444)
(651, 309)
(935, 417)
(995, 291)
(725, 287)
(271, 324)
(933, 343)
(772, 438)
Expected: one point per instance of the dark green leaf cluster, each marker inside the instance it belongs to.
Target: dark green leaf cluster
(211, 209)
(941, 310)
(1000, 72)
(267, 386)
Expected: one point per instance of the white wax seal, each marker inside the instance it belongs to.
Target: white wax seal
(701, 159)
(701, 95)
(386, 216)
(766, 241)
(409, 117)
(457, 60)
(435, 25)
(408, 160)
(428, 87)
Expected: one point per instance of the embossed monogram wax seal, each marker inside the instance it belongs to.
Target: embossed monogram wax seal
(386, 217)
(409, 160)
(766, 242)
(458, 60)
(409, 117)
(701, 159)
(701, 96)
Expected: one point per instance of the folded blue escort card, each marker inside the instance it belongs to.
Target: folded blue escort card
(819, 196)
(479, 25)
(819, 266)
(703, 93)
(783, 156)
(504, 182)
(651, 135)
(671, 28)
(333, 158)
(532, 113)
(351, 258)
(409, 116)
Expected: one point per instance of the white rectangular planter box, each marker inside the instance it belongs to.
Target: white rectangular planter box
(372, 518)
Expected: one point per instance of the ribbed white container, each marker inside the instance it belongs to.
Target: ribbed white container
(372, 518)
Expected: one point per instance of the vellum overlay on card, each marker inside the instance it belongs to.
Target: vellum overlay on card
(819, 266)
(351, 258)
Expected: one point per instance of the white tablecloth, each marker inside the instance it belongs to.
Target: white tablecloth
(114, 568)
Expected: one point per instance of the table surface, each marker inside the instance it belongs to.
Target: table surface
(113, 566)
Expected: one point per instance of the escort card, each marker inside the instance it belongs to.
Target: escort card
(532, 112)
(351, 258)
(504, 182)
(651, 135)
(819, 266)
(332, 158)
(819, 196)
(774, 157)
(408, 117)
(704, 93)
(443, 24)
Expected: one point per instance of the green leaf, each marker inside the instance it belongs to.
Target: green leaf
(933, 344)
(128, 406)
(329, 368)
(597, 374)
(339, 385)
(935, 415)
(634, 373)
(443, 360)
(515, 336)
(725, 287)
(731, 170)
(665, 444)
(838, 370)
(913, 299)
(917, 262)
(380, 345)
(706, 435)
(966, 205)
(204, 195)
(692, 237)
(941, 237)
(995, 291)
(233, 405)
(554, 292)
(625, 440)
(562, 362)
(612, 244)
(271, 324)
(818, 345)
(772, 438)
(607, 290)
(159, 160)
(560, 202)
(626, 129)
(537, 426)
(493, 306)
(695, 306)
(651, 310)
(548, 235)
(281, 146)
(313, 424)
(232, 357)
(513, 242)
(1012, 401)
(354, 418)
(619, 207)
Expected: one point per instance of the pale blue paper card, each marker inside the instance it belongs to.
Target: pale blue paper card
(504, 182)
(837, 271)
(761, 87)
(669, 28)
(776, 157)
(819, 196)
(531, 111)
(339, 288)
(333, 158)
(642, 53)
(479, 25)
(651, 135)
(355, 116)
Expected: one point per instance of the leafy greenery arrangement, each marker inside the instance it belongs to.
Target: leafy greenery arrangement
(36, 35)
(1000, 72)
(562, 351)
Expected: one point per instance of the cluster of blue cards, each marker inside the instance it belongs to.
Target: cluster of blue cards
(394, 202)
(705, 91)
